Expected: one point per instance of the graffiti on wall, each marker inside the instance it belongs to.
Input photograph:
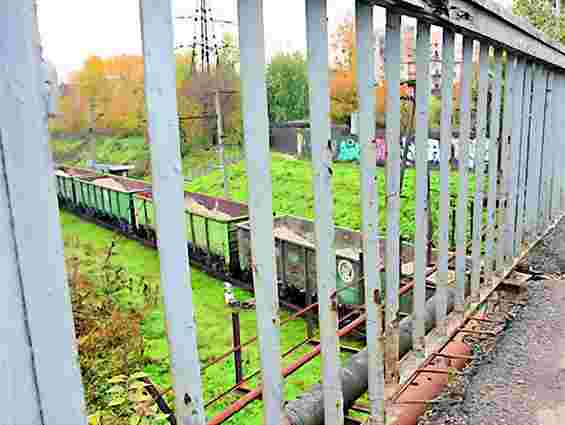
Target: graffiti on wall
(348, 150)
(381, 150)
(408, 148)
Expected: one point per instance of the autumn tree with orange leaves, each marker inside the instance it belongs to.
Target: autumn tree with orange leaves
(113, 88)
(343, 83)
(343, 90)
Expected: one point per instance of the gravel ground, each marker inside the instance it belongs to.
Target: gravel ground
(520, 380)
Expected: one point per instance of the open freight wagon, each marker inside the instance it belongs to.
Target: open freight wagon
(296, 261)
(65, 177)
(110, 198)
(210, 227)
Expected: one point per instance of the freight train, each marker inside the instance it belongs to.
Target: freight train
(218, 236)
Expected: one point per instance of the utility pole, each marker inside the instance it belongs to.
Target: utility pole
(91, 137)
(220, 130)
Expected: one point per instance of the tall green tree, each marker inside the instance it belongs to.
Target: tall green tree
(541, 14)
(287, 87)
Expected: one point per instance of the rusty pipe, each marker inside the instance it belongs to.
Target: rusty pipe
(308, 409)
(256, 393)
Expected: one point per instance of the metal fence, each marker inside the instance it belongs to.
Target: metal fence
(525, 194)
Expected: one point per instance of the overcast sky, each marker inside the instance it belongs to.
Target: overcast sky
(72, 30)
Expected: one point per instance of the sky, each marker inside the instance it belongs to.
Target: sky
(72, 30)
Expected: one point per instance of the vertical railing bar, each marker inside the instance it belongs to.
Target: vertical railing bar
(545, 148)
(516, 149)
(421, 238)
(23, 405)
(464, 139)
(558, 158)
(258, 163)
(525, 136)
(480, 144)
(506, 165)
(556, 154)
(392, 118)
(534, 160)
(549, 151)
(447, 73)
(554, 205)
(561, 98)
(318, 76)
(374, 293)
(161, 104)
(32, 248)
(493, 167)
(540, 197)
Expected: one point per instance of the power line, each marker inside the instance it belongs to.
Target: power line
(206, 45)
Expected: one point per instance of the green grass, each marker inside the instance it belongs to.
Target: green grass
(131, 150)
(293, 192)
(212, 317)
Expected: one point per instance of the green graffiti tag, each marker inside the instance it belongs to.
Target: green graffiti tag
(348, 150)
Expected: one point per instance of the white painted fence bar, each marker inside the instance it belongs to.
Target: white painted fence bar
(480, 145)
(516, 148)
(392, 76)
(545, 167)
(534, 157)
(260, 199)
(549, 150)
(494, 142)
(545, 111)
(559, 205)
(561, 98)
(506, 166)
(526, 125)
(557, 162)
(39, 372)
(374, 290)
(462, 204)
(447, 73)
(486, 20)
(318, 76)
(422, 133)
(20, 403)
(161, 104)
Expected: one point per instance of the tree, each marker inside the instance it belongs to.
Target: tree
(112, 87)
(287, 87)
(540, 13)
(343, 86)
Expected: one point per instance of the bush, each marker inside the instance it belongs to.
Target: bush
(108, 332)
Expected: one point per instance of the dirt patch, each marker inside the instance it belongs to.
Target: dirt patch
(287, 234)
(549, 255)
(110, 183)
(199, 209)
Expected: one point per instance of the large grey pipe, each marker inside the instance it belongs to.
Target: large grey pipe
(308, 409)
